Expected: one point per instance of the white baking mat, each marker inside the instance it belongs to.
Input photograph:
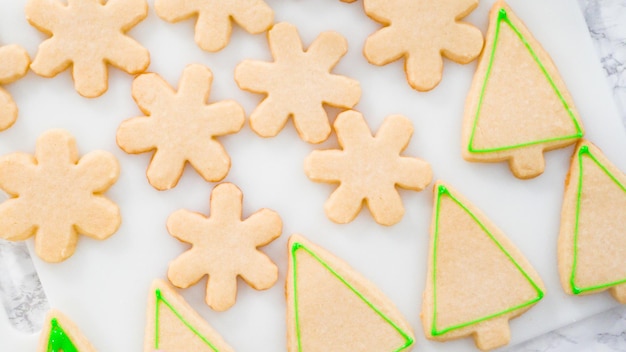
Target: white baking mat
(103, 287)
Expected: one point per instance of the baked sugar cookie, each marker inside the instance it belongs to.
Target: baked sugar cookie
(87, 35)
(55, 195)
(172, 325)
(592, 239)
(518, 106)
(331, 307)
(14, 62)
(421, 32)
(180, 126)
(477, 280)
(60, 334)
(213, 26)
(224, 247)
(298, 84)
(368, 169)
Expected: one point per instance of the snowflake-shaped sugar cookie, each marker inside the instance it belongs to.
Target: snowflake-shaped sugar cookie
(181, 126)
(368, 168)
(213, 26)
(14, 62)
(298, 83)
(88, 34)
(224, 247)
(422, 31)
(56, 195)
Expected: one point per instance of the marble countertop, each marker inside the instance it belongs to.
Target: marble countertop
(24, 300)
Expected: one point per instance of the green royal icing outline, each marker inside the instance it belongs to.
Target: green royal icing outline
(159, 299)
(502, 16)
(442, 190)
(294, 248)
(58, 339)
(584, 150)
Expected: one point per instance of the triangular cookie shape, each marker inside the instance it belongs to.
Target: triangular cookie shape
(477, 280)
(173, 326)
(592, 239)
(331, 307)
(60, 334)
(518, 105)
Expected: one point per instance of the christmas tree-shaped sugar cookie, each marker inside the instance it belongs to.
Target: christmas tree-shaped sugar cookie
(518, 106)
(330, 307)
(477, 280)
(60, 334)
(172, 324)
(592, 240)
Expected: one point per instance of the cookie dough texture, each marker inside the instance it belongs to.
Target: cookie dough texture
(215, 17)
(368, 169)
(180, 127)
(421, 32)
(224, 247)
(14, 61)
(518, 106)
(592, 239)
(298, 84)
(331, 307)
(173, 325)
(88, 35)
(477, 280)
(56, 195)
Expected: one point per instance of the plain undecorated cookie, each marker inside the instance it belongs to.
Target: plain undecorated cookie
(55, 195)
(477, 280)
(368, 169)
(180, 126)
(213, 26)
(14, 61)
(421, 32)
(518, 106)
(331, 307)
(298, 84)
(87, 35)
(224, 247)
(592, 239)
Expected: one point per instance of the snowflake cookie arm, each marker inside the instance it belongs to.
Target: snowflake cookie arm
(17, 171)
(409, 173)
(14, 63)
(213, 26)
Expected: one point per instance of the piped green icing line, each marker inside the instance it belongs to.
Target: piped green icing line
(503, 17)
(161, 299)
(584, 151)
(297, 246)
(441, 191)
(58, 339)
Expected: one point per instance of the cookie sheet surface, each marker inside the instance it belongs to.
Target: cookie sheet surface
(104, 286)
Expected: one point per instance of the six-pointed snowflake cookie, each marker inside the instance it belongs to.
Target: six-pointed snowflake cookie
(55, 195)
(298, 83)
(224, 247)
(368, 168)
(181, 126)
(88, 35)
(213, 26)
(14, 62)
(422, 31)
